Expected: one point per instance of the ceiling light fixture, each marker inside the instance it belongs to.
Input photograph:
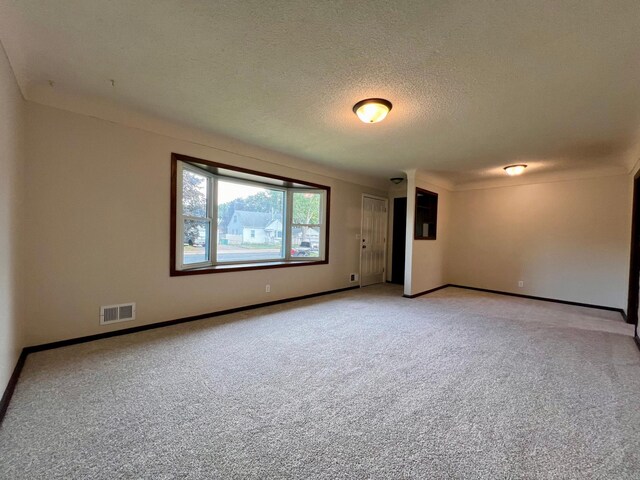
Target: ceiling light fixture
(515, 169)
(397, 180)
(372, 110)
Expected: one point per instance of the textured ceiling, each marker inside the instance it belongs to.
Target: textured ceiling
(475, 85)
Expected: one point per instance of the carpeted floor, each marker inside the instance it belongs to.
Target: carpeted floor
(362, 384)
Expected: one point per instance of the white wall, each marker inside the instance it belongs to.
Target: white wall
(567, 240)
(259, 235)
(98, 230)
(425, 259)
(11, 191)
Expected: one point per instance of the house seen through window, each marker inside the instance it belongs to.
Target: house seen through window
(248, 220)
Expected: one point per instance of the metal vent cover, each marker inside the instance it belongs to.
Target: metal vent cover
(117, 313)
(125, 312)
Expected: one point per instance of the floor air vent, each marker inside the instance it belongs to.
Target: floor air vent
(117, 313)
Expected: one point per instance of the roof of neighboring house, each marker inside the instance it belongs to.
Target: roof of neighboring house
(250, 219)
(274, 225)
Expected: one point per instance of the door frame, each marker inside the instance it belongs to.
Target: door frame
(386, 235)
(634, 257)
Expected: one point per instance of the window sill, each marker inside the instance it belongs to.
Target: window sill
(243, 266)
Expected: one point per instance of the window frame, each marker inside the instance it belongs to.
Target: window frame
(215, 171)
(209, 217)
(290, 225)
(241, 232)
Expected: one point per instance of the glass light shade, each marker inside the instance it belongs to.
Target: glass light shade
(513, 170)
(372, 110)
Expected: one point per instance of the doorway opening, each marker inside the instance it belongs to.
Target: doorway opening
(634, 267)
(399, 240)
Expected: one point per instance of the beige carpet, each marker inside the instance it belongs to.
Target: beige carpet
(362, 384)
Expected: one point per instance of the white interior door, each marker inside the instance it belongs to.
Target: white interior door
(373, 240)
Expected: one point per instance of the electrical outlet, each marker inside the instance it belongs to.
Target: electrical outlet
(353, 277)
(267, 289)
(521, 284)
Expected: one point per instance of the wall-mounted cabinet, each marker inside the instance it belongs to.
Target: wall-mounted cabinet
(426, 221)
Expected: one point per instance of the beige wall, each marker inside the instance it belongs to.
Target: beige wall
(98, 232)
(425, 259)
(11, 191)
(567, 240)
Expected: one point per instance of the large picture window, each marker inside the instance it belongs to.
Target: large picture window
(226, 218)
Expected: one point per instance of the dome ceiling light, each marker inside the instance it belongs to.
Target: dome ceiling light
(513, 170)
(372, 110)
